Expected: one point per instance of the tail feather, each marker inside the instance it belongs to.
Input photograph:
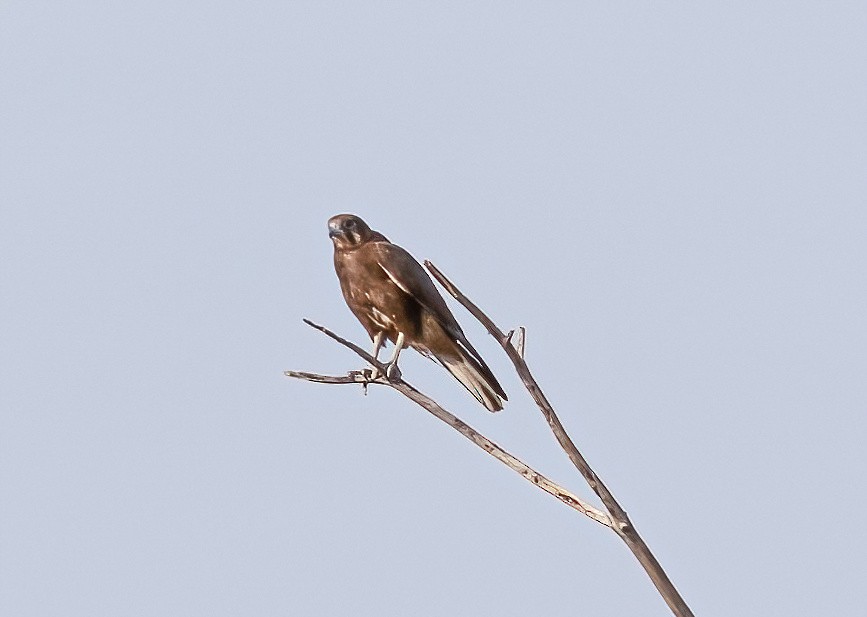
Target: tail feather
(478, 380)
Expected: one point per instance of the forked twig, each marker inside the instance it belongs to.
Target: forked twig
(362, 377)
(622, 525)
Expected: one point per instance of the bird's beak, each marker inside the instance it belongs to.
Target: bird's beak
(333, 230)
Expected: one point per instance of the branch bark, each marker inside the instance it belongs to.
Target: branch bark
(622, 525)
(531, 475)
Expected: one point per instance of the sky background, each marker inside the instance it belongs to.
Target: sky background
(672, 198)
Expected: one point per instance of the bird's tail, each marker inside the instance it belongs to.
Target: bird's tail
(478, 379)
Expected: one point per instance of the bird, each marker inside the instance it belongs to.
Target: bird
(395, 299)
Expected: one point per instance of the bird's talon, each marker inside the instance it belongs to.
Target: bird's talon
(392, 372)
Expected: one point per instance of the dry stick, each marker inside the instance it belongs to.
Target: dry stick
(622, 525)
(359, 377)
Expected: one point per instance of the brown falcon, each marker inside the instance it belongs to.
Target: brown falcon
(395, 299)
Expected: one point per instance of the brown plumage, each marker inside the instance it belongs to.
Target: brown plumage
(394, 298)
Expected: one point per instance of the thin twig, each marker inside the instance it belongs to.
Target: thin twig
(520, 340)
(622, 525)
(533, 476)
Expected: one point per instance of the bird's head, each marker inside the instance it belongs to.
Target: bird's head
(347, 231)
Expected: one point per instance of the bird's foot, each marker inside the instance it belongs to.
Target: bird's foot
(365, 377)
(392, 372)
(368, 376)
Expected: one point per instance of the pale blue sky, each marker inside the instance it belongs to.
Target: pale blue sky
(672, 198)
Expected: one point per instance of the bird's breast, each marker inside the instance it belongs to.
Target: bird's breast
(374, 306)
(373, 297)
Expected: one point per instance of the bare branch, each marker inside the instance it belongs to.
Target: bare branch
(531, 475)
(622, 525)
(350, 378)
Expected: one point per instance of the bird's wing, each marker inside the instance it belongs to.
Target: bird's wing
(405, 272)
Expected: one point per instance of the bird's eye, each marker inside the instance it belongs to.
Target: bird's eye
(350, 224)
